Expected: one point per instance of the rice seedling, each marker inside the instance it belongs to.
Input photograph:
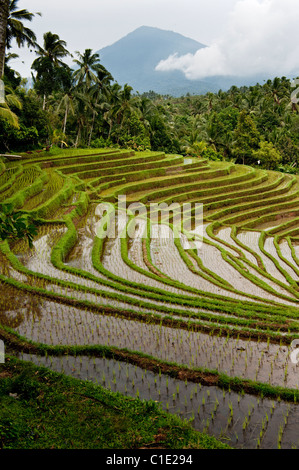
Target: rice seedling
(230, 405)
(280, 434)
(232, 313)
(245, 423)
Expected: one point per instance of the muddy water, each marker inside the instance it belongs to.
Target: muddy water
(251, 239)
(189, 161)
(286, 253)
(225, 235)
(240, 420)
(114, 263)
(39, 260)
(271, 249)
(212, 259)
(43, 321)
(50, 322)
(271, 224)
(135, 252)
(166, 257)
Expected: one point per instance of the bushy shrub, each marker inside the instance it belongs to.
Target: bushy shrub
(211, 154)
(22, 139)
(138, 143)
(101, 143)
(15, 225)
(267, 155)
(25, 386)
(288, 169)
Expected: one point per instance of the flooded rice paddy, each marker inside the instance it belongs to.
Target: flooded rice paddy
(198, 308)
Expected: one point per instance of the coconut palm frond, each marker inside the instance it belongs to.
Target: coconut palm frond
(13, 100)
(8, 115)
(16, 29)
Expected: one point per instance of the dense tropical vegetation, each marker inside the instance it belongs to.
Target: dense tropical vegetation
(201, 329)
(84, 106)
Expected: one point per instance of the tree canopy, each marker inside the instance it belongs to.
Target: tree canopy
(81, 104)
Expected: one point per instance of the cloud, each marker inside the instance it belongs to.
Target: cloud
(261, 38)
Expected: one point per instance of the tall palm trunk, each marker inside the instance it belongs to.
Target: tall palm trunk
(4, 11)
(78, 136)
(92, 126)
(110, 128)
(64, 122)
(65, 118)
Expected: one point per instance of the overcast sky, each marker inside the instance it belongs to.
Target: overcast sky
(242, 35)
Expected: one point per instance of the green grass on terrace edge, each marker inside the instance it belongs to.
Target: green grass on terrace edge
(53, 411)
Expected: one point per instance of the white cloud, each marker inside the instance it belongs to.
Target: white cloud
(261, 38)
(99, 23)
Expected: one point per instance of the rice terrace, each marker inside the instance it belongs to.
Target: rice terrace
(205, 330)
(149, 228)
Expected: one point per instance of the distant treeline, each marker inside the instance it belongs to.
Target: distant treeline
(84, 106)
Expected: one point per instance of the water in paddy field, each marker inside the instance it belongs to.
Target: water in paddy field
(275, 223)
(44, 321)
(240, 420)
(188, 161)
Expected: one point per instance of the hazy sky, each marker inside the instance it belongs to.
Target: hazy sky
(97, 23)
(260, 36)
(242, 34)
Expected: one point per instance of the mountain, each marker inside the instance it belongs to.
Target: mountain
(133, 59)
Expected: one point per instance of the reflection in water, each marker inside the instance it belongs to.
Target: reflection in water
(17, 307)
(241, 420)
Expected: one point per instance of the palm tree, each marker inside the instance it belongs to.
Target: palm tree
(48, 63)
(251, 100)
(90, 79)
(15, 27)
(93, 81)
(11, 99)
(4, 12)
(127, 104)
(83, 109)
(67, 103)
(112, 106)
(278, 89)
(209, 102)
(12, 27)
(148, 110)
(54, 49)
(100, 91)
(124, 104)
(89, 65)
